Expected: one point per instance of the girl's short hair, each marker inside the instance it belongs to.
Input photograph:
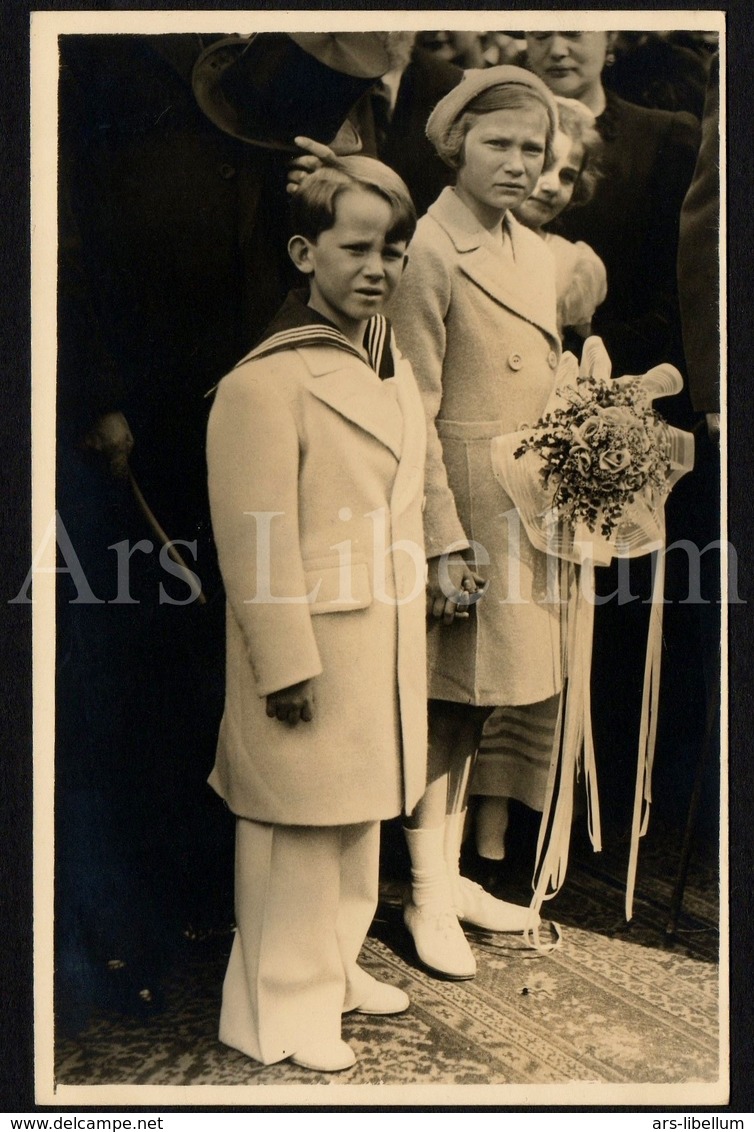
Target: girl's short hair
(313, 204)
(578, 123)
(505, 96)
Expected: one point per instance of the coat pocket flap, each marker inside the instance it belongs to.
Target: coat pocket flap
(336, 589)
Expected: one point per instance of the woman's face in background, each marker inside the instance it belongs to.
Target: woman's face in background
(554, 189)
(569, 62)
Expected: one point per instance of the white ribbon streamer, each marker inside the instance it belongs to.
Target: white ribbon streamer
(640, 531)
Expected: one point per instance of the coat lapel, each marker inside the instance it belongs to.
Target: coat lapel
(409, 478)
(355, 391)
(526, 286)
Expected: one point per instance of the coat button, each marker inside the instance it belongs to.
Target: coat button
(552, 359)
(227, 171)
(515, 361)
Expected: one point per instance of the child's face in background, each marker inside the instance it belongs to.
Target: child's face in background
(554, 189)
(353, 268)
(503, 155)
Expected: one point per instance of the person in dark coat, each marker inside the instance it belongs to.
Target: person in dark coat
(699, 291)
(699, 263)
(172, 235)
(631, 222)
(663, 70)
(391, 120)
(169, 261)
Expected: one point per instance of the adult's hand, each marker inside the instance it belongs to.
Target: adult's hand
(112, 438)
(301, 167)
(450, 580)
(713, 427)
(292, 704)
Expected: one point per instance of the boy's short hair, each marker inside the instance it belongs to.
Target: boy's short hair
(313, 205)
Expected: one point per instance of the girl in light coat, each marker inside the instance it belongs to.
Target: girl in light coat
(516, 747)
(477, 319)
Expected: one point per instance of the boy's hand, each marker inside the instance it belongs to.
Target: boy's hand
(290, 705)
(300, 167)
(450, 582)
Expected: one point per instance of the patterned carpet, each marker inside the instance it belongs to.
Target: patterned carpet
(614, 1003)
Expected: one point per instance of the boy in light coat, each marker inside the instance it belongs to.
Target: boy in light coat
(316, 447)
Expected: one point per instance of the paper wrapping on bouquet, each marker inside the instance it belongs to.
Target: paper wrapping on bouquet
(640, 530)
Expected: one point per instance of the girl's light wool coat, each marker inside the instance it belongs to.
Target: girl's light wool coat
(480, 331)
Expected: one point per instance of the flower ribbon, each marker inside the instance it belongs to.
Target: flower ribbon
(640, 530)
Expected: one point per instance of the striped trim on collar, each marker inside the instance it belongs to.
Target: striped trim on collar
(300, 326)
(376, 343)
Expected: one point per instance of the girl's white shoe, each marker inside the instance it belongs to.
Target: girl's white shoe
(475, 906)
(439, 941)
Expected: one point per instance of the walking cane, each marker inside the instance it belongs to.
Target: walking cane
(167, 542)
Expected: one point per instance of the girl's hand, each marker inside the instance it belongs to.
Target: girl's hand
(450, 581)
(290, 705)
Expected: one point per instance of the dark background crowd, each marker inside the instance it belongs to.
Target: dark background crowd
(172, 234)
(664, 70)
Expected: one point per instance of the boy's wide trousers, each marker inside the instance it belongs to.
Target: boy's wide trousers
(305, 898)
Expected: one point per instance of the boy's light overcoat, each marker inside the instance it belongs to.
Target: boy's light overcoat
(480, 332)
(316, 486)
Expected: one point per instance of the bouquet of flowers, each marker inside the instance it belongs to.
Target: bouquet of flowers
(601, 449)
(590, 478)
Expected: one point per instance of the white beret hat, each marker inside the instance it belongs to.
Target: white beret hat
(476, 82)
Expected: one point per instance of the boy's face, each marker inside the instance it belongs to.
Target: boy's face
(353, 269)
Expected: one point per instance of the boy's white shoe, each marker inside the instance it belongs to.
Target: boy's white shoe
(383, 998)
(326, 1056)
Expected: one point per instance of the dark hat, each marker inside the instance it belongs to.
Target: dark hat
(269, 87)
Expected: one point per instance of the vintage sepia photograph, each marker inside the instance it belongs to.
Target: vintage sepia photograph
(380, 580)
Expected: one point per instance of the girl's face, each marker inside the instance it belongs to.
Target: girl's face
(554, 189)
(503, 154)
(570, 62)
